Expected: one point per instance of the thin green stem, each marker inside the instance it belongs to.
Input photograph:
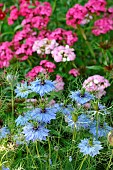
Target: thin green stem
(82, 162)
(12, 101)
(87, 42)
(49, 145)
(38, 154)
(97, 124)
(109, 164)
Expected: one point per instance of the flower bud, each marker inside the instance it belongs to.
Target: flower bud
(110, 138)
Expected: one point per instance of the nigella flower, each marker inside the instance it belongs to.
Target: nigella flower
(103, 129)
(44, 115)
(5, 168)
(66, 109)
(33, 133)
(81, 98)
(22, 120)
(4, 132)
(90, 147)
(20, 139)
(42, 87)
(22, 90)
(82, 122)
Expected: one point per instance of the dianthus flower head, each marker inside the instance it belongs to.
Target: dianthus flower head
(44, 46)
(102, 26)
(34, 133)
(4, 131)
(2, 15)
(103, 129)
(63, 53)
(44, 115)
(74, 72)
(81, 98)
(90, 147)
(96, 6)
(22, 90)
(42, 86)
(96, 84)
(35, 72)
(49, 66)
(63, 36)
(75, 15)
(59, 83)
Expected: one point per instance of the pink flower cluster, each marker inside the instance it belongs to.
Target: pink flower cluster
(82, 14)
(102, 26)
(59, 84)
(76, 15)
(6, 54)
(37, 16)
(74, 72)
(44, 46)
(63, 53)
(96, 6)
(60, 35)
(96, 84)
(44, 67)
(63, 36)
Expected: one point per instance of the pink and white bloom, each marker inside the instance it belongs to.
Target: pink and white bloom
(63, 53)
(96, 84)
(44, 46)
(74, 72)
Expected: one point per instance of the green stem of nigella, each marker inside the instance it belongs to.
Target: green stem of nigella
(97, 120)
(38, 154)
(109, 164)
(12, 100)
(82, 162)
(49, 153)
(87, 42)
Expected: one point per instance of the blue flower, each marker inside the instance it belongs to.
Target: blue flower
(22, 90)
(42, 87)
(44, 115)
(20, 139)
(33, 133)
(82, 122)
(88, 147)
(81, 99)
(21, 120)
(66, 109)
(4, 132)
(103, 129)
(4, 168)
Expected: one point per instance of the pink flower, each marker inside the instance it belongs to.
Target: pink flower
(6, 54)
(59, 84)
(75, 15)
(49, 66)
(14, 14)
(96, 84)
(34, 72)
(74, 72)
(96, 6)
(62, 36)
(102, 26)
(63, 53)
(44, 46)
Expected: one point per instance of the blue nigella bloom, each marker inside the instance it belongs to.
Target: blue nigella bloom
(82, 122)
(22, 120)
(81, 99)
(33, 133)
(22, 90)
(66, 109)
(5, 168)
(88, 147)
(44, 115)
(4, 131)
(103, 129)
(42, 87)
